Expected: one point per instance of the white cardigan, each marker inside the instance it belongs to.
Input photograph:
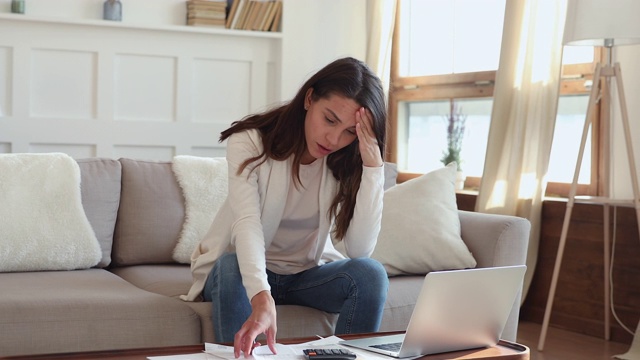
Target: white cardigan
(247, 221)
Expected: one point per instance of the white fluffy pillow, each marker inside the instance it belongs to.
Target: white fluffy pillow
(421, 228)
(43, 225)
(204, 184)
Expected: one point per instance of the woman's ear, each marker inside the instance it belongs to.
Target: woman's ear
(307, 98)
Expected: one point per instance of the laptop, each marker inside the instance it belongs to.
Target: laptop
(455, 310)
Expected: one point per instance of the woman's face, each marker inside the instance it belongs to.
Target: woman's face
(330, 125)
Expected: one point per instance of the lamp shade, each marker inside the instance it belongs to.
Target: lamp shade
(602, 22)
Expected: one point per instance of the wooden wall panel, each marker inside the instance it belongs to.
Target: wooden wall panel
(579, 303)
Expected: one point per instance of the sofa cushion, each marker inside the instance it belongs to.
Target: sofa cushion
(420, 230)
(401, 299)
(175, 280)
(100, 188)
(150, 216)
(390, 174)
(69, 311)
(169, 280)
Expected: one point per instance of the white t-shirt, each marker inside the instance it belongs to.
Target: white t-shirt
(295, 244)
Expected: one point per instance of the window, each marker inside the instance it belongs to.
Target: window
(445, 37)
(422, 146)
(448, 51)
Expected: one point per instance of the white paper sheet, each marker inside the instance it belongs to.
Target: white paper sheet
(291, 352)
(285, 352)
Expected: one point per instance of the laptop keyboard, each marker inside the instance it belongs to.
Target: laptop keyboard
(389, 347)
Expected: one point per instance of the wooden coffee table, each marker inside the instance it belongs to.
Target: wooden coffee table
(504, 350)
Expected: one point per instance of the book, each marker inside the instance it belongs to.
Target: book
(211, 3)
(256, 15)
(275, 26)
(248, 9)
(206, 22)
(261, 15)
(253, 10)
(232, 13)
(205, 7)
(205, 14)
(241, 8)
(273, 7)
(257, 5)
(199, 10)
(261, 7)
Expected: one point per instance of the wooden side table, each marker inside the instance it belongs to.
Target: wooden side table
(504, 350)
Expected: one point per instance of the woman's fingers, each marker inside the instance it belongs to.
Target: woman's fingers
(369, 149)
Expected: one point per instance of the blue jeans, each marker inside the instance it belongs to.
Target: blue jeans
(354, 288)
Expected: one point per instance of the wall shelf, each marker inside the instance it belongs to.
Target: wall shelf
(125, 25)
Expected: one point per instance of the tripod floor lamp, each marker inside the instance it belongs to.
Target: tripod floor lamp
(606, 23)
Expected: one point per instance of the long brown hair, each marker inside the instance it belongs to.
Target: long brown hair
(282, 130)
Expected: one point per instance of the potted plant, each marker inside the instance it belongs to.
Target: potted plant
(456, 121)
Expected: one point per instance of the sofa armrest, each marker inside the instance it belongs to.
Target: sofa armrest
(498, 240)
(495, 240)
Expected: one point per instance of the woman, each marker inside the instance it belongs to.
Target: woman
(301, 176)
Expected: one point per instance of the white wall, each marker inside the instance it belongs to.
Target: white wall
(315, 32)
(141, 12)
(629, 59)
(94, 99)
(96, 88)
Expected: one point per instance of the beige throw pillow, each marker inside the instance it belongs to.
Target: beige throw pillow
(421, 228)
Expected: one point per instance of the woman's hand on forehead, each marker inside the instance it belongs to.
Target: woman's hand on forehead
(368, 144)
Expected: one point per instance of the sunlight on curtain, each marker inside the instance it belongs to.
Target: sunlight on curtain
(528, 185)
(522, 121)
(526, 190)
(381, 18)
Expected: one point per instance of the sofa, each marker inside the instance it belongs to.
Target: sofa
(130, 298)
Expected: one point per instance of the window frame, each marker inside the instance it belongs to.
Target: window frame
(481, 84)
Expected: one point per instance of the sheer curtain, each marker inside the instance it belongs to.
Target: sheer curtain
(523, 116)
(381, 16)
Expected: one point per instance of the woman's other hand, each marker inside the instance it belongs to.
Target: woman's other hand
(369, 149)
(261, 321)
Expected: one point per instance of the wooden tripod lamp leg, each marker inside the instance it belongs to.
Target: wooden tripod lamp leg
(567, 217)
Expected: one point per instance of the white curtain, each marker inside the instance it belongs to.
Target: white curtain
(381, 16)
(523, 116)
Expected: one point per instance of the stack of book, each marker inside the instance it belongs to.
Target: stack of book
(259, 15)
(207, 12)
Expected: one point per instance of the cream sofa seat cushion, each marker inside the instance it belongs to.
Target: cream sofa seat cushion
(174, 280)
(59, 307)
